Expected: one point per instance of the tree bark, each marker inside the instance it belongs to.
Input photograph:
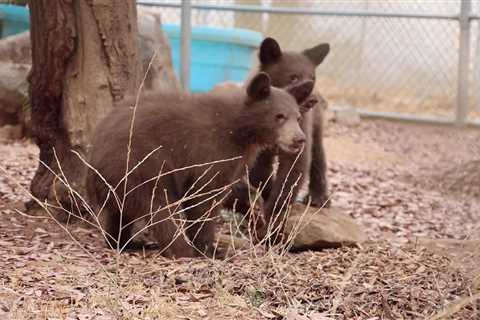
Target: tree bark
(84, 60)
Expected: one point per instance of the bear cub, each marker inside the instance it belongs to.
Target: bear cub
(287, 68)
(181, 157)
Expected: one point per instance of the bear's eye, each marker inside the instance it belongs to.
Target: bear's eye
(294, 78)
(280, 117)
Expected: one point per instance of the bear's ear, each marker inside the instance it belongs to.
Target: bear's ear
(318, 53)
(259, 87)
(270, 51)
(301, 91)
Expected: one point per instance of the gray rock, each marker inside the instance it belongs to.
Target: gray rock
(317, 229)
(13, 91)
(16, 48)
(13, 96)
(156, 49)
(15, 62)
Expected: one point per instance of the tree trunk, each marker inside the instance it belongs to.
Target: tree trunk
(84, 60)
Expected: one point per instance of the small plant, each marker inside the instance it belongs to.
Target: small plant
(255, 296)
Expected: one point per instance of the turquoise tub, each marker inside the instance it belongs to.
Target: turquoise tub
(13, 19)
(217, 54)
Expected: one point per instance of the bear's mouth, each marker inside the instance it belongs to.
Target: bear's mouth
(292, 147)
(296, 148)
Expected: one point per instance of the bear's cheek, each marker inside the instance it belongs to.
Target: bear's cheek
(284, 134)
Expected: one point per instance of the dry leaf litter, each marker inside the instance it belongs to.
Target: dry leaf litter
(386, 175)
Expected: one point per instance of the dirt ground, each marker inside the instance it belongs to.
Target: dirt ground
(395, 171)
(388, 176)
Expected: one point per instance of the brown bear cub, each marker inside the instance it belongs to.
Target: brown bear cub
(184, 153)
(287, 69)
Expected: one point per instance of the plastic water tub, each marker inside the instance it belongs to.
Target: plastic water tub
(13, 19)
(217, 54)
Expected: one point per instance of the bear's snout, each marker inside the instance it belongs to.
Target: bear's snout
(291, 138)
(297, 143)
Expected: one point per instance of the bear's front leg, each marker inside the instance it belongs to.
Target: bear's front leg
(318, 186)
(247, 200)
(289, 179)
(201, 226)
(261, 175)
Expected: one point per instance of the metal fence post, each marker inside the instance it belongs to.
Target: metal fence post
(463, 62)
(186, 35)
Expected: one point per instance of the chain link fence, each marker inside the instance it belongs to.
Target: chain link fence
(387, 56)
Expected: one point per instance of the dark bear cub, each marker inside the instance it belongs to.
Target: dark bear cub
(289, 69)
(176, 165)
(286, 69)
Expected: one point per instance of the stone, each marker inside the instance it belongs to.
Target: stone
(317, 229)
(13, 86)
(156, 51)
(16, 48)
(13, 97)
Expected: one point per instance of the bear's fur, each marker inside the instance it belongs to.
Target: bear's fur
(177, 159)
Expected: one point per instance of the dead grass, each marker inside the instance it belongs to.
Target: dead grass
(46, 275)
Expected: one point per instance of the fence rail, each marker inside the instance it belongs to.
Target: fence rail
(439, 88)
(302, 11)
